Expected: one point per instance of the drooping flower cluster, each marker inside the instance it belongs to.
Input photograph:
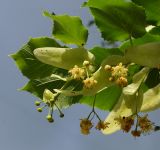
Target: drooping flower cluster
(118, 74)
(143, 125)
(86, 123)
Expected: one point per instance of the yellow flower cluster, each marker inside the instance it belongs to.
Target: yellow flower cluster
(86, 125)
(118, 74)
(77, 73)
(84, 74)
(102, 125)
(126, 123)
(89, 83)
(143, 125)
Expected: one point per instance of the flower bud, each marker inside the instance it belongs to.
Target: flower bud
(39, 109)
(61, 115)
(49, 118)
(37, 103)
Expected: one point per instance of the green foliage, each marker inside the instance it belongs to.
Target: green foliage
(105, 99)
(118, 19)
(155, 30)
(124, 80)
(37, 86)
(152, 10)
(68, 29)
(147, 38)
(28, 64)
(101, 53)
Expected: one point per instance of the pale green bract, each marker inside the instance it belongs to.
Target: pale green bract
(145, 55)
(65, 58)
(151, 100)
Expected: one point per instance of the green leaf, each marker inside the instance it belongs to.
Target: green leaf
(118, 19)
(68, 29)
(102, 53)
(152, 9)
(37, 86)
(153, 78)
(29, 65)
(66, 101)
(147, 38)
(105, 99)
(144, 55)
(155, 30)
(132, 69)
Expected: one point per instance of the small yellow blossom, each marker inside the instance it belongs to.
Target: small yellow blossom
(85, 125)
(136, 133)
(86, 63)
(126, 123)
(122, 81)
(119, 71)
(49, 118)
(102, 125)
(77, 73)
(107, 67)
(89, 83)
(145, 124)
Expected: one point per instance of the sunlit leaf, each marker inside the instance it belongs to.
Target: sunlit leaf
(102, 53)
(28, 64)
(68, 29)
(118, 19)
(152, 9)
(105, 99)
(145, 55)
(147, 38)
(37, 86)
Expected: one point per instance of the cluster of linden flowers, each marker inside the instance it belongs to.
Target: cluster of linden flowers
(84, 73)
(86, 123)
(143, 125)
(118, 74)
(49, 99)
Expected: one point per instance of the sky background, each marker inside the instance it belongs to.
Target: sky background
(21, 126)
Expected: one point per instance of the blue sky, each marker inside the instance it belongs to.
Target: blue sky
(21, 126)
